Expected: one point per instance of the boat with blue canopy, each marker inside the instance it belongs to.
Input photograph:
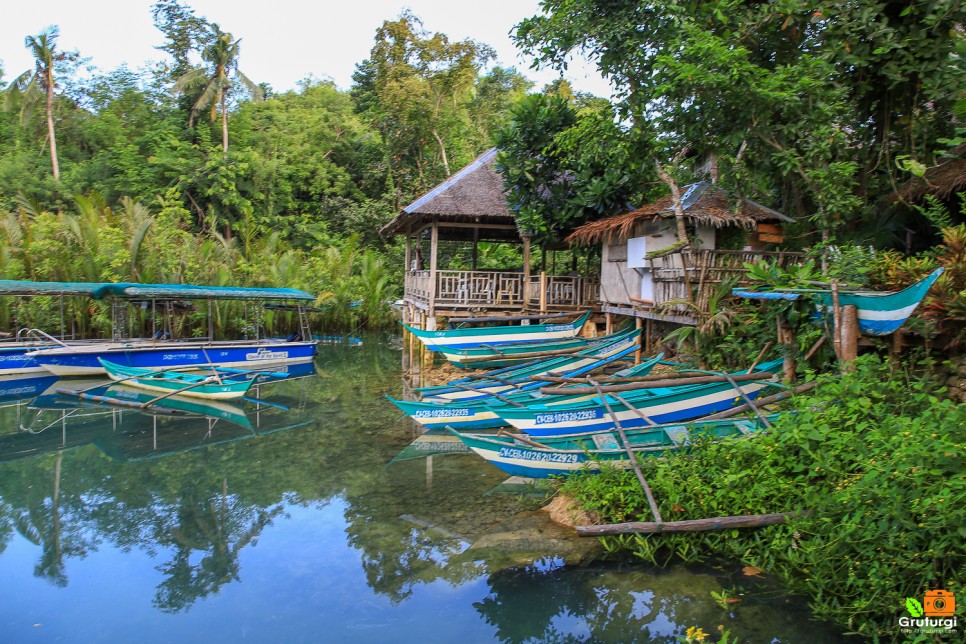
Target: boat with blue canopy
(38, 350)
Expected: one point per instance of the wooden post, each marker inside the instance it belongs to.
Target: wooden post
(637, 354)
(608, 323)
(850, 336)
(690, 525)
(895, 347)
(836, 322)
(648, 332)
(525, 289)
(433, 253)
(476, 243)
(543, 291)
(786, 338)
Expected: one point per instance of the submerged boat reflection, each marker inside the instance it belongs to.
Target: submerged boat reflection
(50, 421)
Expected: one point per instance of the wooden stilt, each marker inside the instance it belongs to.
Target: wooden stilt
(637, 354)
(849, 335)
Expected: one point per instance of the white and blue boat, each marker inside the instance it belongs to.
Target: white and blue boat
(635, 408)
(79, 358)
(879, 312)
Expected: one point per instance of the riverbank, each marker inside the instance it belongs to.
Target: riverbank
(874, 456)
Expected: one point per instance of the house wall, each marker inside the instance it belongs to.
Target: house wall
(625, 276)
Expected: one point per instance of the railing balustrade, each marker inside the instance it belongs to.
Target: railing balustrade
(474, 289)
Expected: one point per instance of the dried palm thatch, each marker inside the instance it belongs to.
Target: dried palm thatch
(703, 204)
(474, 195)
(941, 180)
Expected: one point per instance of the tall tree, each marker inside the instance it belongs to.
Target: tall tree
(28, 88)
(416, 87)
(824, 96)
(221, 56)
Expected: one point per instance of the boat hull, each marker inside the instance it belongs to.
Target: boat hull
(665, 405)
(182, 384)
(587, 452)
(83, 361)
(501, 335)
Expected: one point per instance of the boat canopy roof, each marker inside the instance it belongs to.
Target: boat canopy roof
(135, 291)
(24, 287)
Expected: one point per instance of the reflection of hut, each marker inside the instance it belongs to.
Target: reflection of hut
(444, 231)
(643, 268)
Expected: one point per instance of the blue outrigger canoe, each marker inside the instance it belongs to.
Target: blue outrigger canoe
(879, 313)
(78, 358)
(485, 412)
(497, 335)
(654, 404)
(585, 452)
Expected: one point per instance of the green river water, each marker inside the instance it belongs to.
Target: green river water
(305, 518)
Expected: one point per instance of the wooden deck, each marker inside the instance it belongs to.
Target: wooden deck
(467, 292)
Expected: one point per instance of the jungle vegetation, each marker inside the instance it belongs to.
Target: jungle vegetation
(188, 170)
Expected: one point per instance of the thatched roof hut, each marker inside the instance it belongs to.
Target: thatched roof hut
(941, 180)
(474, 195)
(703, 205)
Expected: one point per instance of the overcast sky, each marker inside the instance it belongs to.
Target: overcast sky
(283, 41)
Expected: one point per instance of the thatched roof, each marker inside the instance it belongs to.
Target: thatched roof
(941, 180)
(703, 204)
(472, 195)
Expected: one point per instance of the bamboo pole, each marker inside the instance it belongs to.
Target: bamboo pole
(690, 525)
(630, 454)
(768, 400)
(671, 382)
(748, 401)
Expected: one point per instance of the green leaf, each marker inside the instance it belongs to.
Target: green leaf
(914, 607)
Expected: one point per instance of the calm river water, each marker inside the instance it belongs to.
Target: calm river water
(306, 519)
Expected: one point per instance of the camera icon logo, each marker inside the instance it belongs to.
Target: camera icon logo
(939, 603)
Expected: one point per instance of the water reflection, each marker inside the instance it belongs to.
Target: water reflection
(314, 472)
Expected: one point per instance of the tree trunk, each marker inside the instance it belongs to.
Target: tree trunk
(224, 123)
(50, 124)
(682, 232)
(442, 151)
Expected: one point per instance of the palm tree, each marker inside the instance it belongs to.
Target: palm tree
(216, 80)
(32, 84)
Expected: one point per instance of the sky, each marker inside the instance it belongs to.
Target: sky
(283, 41)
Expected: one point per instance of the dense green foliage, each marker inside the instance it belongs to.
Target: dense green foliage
(875, 457)
(819, 109)
(143, 184)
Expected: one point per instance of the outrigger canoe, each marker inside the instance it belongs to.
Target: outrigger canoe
(565, 455)
(879, 312)
(211, 387)
(497, 335)
(520, 378)
(639, 407)
(484, 413)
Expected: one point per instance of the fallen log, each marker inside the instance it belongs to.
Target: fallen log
(674, 382)
(690, 525)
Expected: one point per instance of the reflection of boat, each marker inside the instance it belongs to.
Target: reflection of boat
(502, 335)
(208, 387)
(563, 455)
(52, 422)
(17, 387)
(433, 442)
(879, 313)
